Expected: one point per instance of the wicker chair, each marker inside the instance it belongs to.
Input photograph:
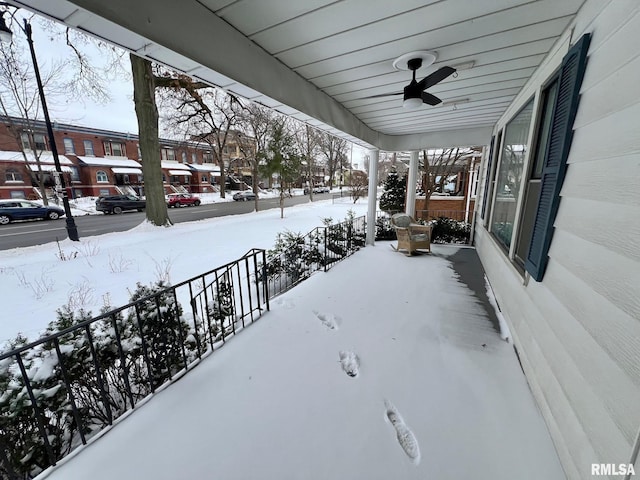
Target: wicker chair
(412, 236)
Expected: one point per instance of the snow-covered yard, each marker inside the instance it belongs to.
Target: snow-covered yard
(38, 280)
(384, 367)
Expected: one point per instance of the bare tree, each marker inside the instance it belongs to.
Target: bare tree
(308, 142)
(359, 185)
(257, 122)
(439, 166)
(208, 113)
(334, 150)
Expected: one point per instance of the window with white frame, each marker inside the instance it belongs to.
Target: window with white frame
(69, 147)
(13, 175)
(194, 157)
(207, 157)
(114, 149)
(509, 175)
(101, 176)
(38, 139)
(184, 157)
(88, 148)
(168, 154)
(75, 174)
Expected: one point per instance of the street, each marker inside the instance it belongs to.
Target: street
(25, 234)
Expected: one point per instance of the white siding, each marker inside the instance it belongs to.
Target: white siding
(578, 331)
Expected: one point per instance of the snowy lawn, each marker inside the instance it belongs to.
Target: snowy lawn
(385, 367)
(35, 281)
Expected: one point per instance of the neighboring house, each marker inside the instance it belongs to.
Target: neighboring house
(96, 162)
(568, 283)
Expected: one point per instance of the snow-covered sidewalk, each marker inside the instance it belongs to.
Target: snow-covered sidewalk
(385, 367)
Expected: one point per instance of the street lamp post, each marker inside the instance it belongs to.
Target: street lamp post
(72, 230)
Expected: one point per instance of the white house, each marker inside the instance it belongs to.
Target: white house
(550, 86)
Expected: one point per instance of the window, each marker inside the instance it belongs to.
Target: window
(168, 154)
(205, 179)
(139, 152)
(69, 147)
(101, 176)
(39, 141)
(114, 149)
(557, 143)
(75, 174)
(207, 157)
(17, 194)
(194, 158)
(534, 180)
(509, 176)
(13, 175)
(487, 179)
(88, 148)
(184, 157)
(103, 192)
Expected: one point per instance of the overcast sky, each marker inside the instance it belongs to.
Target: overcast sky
(118, 114)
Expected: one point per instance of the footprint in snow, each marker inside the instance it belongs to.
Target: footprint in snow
(350, 363)
(329, 320)
(405, 436)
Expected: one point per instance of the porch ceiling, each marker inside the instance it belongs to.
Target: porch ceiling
(316, 60)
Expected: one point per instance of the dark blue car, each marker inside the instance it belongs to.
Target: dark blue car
(11, 210)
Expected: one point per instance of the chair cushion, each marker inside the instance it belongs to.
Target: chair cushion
(401, 220)
(420, 237)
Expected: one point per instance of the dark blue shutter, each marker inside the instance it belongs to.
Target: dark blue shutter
(486, 200)
(555, 162)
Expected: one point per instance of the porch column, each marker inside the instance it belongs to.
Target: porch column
(373, 197)
(410, 207)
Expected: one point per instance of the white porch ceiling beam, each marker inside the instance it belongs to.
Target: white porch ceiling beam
(199, 38)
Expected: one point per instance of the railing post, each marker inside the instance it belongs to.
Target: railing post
(37, 413)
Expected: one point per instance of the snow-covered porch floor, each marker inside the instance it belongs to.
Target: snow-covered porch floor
(437, 394)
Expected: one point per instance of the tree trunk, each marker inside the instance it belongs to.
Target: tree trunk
(254, 181)
(223, 179)
(145, 103)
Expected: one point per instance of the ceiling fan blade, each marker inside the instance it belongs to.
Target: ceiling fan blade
(436, 77)
(430, 99)
(383, 95)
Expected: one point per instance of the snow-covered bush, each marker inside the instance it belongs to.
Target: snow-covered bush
(448, 230)
(103, 367)
(296, 256)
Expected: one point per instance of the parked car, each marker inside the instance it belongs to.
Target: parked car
(321, 189)
(182, 200)
(11, 210)
(244, 196)
(119, 203)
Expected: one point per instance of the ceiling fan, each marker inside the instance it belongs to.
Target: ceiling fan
(414, 93)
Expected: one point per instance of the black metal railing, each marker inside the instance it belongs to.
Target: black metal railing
(296, 256)
(57, 392)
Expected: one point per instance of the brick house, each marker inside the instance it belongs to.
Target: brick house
(94, 162)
